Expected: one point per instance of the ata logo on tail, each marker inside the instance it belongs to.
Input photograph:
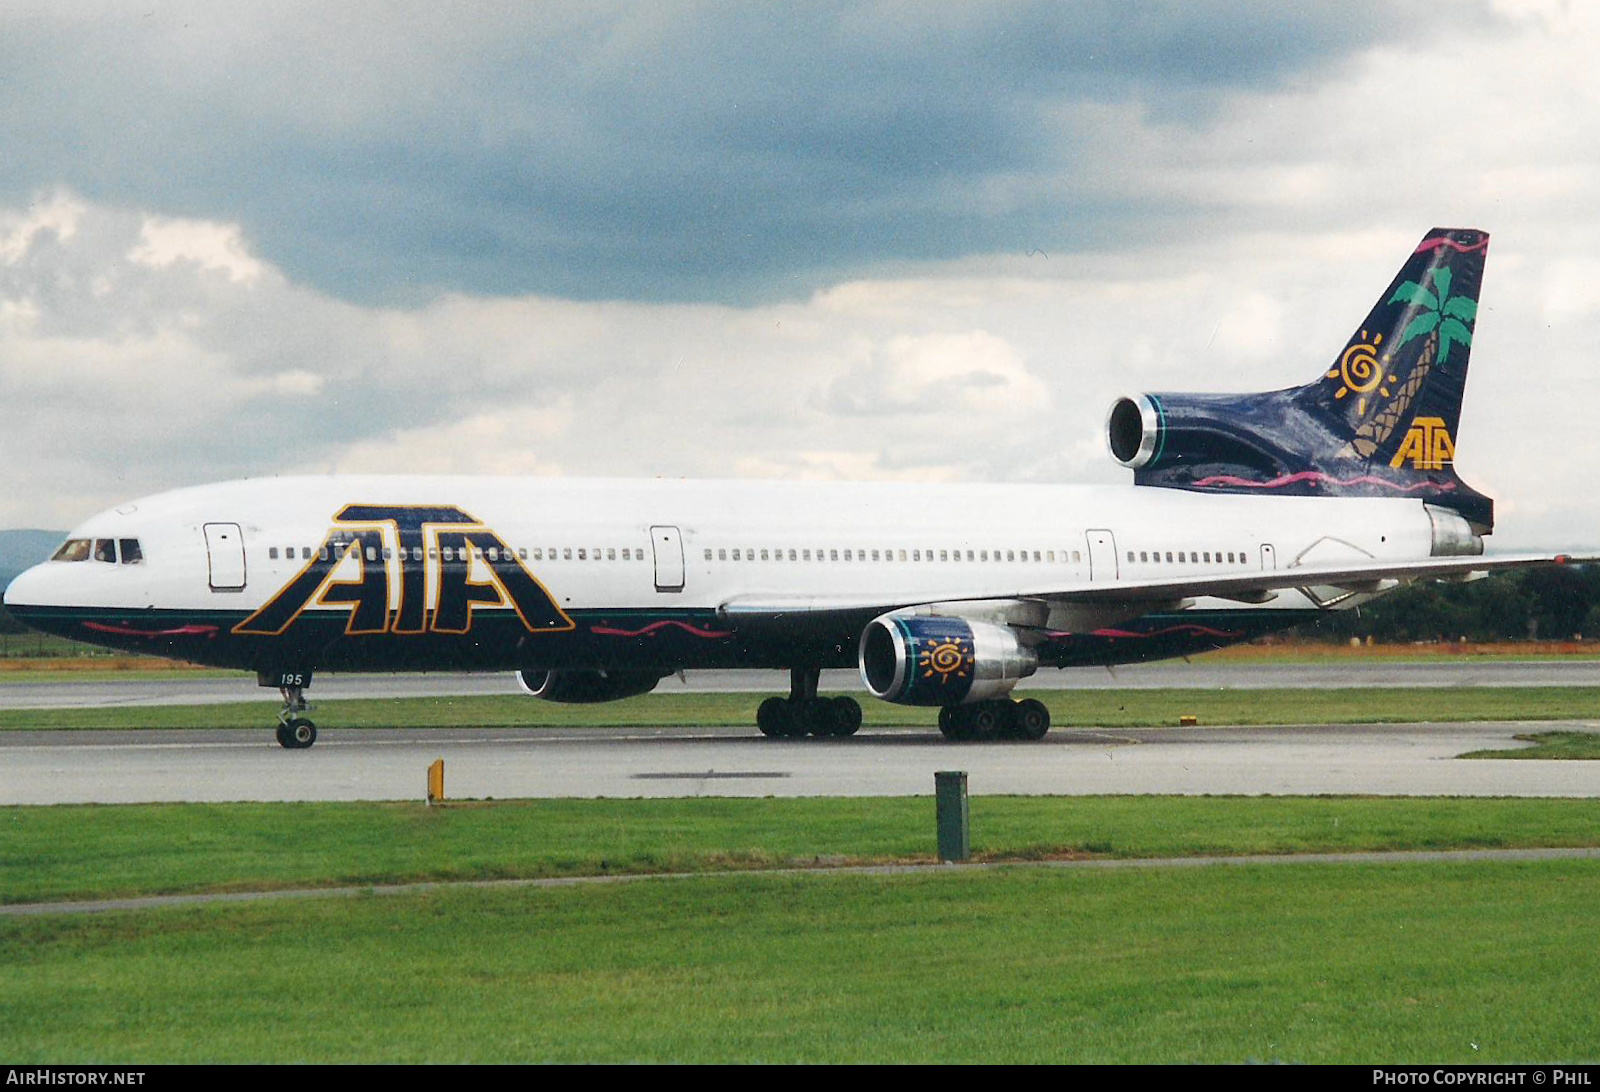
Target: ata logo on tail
(1427, 444)
(444, 562)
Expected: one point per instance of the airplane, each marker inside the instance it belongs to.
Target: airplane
(1247, 514)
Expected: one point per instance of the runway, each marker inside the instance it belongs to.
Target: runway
(350, 764)
(191, 688)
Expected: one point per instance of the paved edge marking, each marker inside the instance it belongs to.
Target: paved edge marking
(155, 902)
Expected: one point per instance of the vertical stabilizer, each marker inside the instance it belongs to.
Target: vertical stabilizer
(1381, 420)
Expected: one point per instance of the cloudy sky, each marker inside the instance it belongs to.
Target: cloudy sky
(852, 240)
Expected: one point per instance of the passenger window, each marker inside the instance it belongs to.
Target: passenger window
(272, 553)
(131, 554)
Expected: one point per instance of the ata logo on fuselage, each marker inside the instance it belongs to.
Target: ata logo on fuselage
(1427, 445)
(445, 563)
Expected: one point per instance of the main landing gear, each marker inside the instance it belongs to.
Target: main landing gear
(1028, 719)
(802, 713)
(294, 731)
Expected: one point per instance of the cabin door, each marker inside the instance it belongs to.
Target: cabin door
(1269, 557)
(668, 546)
(225, 552)
(1102, 555)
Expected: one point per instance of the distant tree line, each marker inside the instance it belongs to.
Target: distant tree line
(1548, 604)
(9, 624)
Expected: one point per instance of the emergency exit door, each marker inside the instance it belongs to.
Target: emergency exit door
(225, 554)
(668, 546)
(1102, 555)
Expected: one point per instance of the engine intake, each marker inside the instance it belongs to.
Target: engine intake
(586, 687)
(933, 660)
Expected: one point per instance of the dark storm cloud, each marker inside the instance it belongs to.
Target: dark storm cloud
(696, 151)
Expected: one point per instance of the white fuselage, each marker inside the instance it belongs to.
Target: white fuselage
(590, 542)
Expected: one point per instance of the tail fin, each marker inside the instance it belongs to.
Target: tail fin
(1381, 421)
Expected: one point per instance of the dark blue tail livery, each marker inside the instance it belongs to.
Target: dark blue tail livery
(1381, 420)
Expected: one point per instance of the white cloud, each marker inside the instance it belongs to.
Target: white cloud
(213, 246)
(55, 213)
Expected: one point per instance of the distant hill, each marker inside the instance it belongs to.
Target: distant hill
(23, 549)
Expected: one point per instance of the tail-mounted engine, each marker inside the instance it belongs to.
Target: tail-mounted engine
(1380, 420)
(1205, 434)
(933, 660)
(586, 687)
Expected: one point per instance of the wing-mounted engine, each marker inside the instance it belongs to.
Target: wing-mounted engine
(939, 660)
(586, 687)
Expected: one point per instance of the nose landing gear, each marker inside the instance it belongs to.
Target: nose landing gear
(295, 732)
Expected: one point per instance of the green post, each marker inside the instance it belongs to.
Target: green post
(950, 790)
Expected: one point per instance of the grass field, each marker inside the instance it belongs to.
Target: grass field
(1068, 708)
(1479, 963)
(1474, 962)
(99, 851)
(1550, 745)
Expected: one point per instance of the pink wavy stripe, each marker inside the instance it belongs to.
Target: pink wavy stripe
(1191, 629)
(1317, 475)
(181, 631)
(649, 631)
(1439, 241)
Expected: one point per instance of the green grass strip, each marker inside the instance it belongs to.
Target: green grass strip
(1552, 745)
(103, 851)
(1421, 963)
(1068, 708)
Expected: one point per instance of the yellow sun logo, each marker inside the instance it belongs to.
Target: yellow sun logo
(1360, 372)
(947, 657)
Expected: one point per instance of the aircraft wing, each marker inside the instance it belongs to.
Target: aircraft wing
(1246, 587)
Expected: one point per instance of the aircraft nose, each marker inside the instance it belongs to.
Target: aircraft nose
(30, 588)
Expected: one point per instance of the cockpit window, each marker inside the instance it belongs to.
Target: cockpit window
(109, 550)
(74, 549)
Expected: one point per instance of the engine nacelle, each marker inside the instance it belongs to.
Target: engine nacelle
(1194, 435)
(586, 687)
(936, 660)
